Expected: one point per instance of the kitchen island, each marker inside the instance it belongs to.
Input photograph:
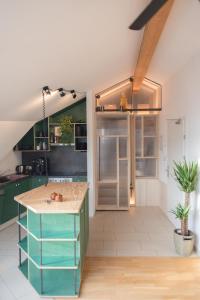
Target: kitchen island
(57, 237)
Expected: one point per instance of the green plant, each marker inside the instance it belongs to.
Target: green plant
(66, 128)
(186, 175)
(181, 212)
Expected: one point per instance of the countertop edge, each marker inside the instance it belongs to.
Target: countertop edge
(41, 211)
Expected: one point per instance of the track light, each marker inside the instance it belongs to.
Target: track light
(46, 90)
(61, 91)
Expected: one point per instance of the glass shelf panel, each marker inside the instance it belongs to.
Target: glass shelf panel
(24, 268)
(107, 158)
(54, 226)
(150, 128)
(55, 282)
(138, 136)
(107, 194)
(146, 167)
(107, 126)
(51, 254)
(23, 244)
(23, 222)
(123, 183)
(123, 147)
(149, 146)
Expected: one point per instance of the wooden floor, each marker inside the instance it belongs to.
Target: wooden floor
(114, 278)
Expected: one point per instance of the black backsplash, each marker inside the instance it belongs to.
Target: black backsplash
(63, 161)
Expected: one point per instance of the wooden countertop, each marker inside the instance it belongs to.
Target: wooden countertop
(73, 195)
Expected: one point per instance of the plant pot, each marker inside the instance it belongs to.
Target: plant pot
(184, 245)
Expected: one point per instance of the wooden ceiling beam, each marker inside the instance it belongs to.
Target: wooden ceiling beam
(152, 33)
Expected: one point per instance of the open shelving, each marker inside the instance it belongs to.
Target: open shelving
(79, 138)
(23, 222)
(23, 244)
(42, 130)
(24, 267)
(55, 247)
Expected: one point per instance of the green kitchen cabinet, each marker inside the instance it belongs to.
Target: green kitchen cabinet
(8, 207)
(37, 181)
(2, 197)
(79, 179)
(11, 190)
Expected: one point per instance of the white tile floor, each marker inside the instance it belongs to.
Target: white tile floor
(143, 231)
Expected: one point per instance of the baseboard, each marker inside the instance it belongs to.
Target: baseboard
(10, 222)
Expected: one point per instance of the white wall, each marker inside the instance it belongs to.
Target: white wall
(147, 192)
(181, 98)
(9, 162)
(91, 151)
(10, 133)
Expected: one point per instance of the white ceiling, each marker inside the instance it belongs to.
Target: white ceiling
(82, 44)
(179, 42)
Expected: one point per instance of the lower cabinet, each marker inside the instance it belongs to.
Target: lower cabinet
(38, 181)
(8, 207)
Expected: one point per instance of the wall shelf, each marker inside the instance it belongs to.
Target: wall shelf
(60, 144)
(43, 131)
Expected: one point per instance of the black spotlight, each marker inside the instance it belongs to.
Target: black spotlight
(46, 90)
(61, 91)
(73, 93)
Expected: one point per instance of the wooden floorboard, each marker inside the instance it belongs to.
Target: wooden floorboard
(123, 278)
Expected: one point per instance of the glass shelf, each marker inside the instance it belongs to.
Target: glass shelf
(60, 283)
(24, 268)
(61, 144)
(49, 262)
(51, 254)
(23, 245)
(23, 222)
(49, 235)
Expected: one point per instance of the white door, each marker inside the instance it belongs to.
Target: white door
(175, 152)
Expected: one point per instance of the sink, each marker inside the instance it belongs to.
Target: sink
(4, 179)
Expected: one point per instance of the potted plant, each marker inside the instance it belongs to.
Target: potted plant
(186, 175)
(66, 128)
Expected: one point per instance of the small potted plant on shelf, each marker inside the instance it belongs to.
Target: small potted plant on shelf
(66, 128)
(186, 175)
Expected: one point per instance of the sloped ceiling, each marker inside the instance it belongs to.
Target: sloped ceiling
(82, 44)
(179, 41)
